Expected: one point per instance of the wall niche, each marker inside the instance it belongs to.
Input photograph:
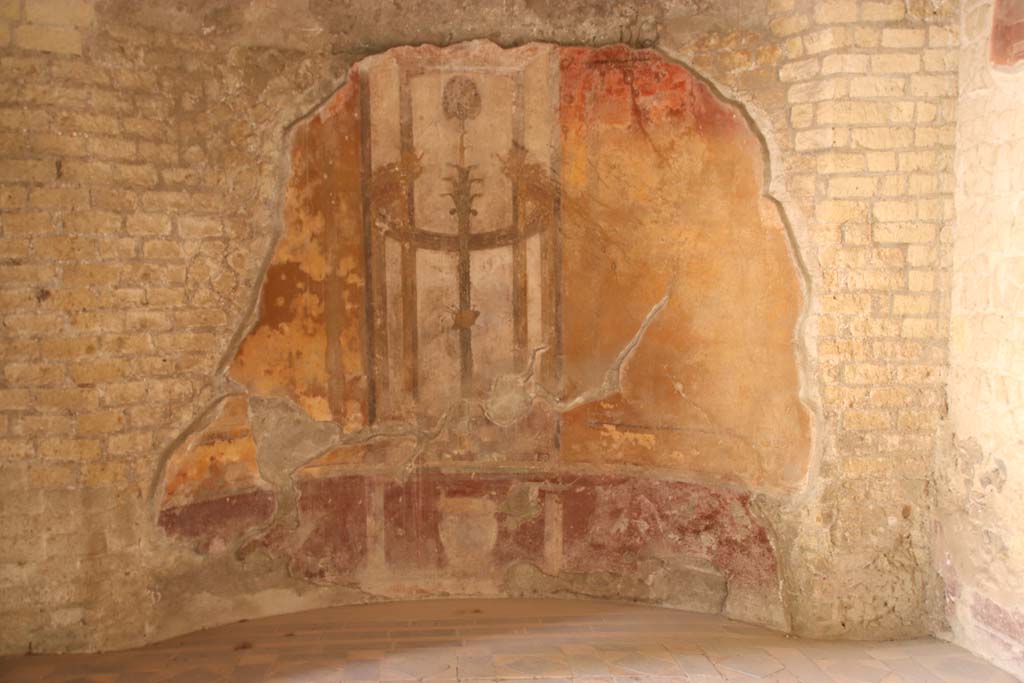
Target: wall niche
(529, 328)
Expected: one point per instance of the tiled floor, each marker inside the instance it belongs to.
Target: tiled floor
(507, 640)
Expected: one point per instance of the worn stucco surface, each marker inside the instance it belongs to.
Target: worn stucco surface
(525, 309)
(141, 203)
(980, 473)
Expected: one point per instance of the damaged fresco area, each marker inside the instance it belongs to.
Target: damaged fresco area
(1007, 45)
(529, 329)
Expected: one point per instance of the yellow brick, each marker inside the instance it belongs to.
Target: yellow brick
(926, 112)
(134, 174)
(921, 281)
(126, 343)
(101, 371)
(835, 12)
(161, 249)
(101, 423)
(877, 86)
(933, 86)
(210, 317)
(893, 186)
(100, 475)
(148, 320)
(821, 138)
(135, 443)
(124, 393)
(113, 148)
(935, 136)
(788, 25)
(59, 198)
(845, 349)
(921, 328)
(64, 248)
(867, 374)
(846, 302)
(20, 171)
(881, 162)
(53, 475)
(933, 209)
(940, 60)
(867, 419)
(919, 374)
(66, 399)
(841, 211)
(801, 185)
(60, 12)
(88, 122)
(13, 196)
(799, 71)
(33, 374)
(802, 115)
(942, 36)
(872, 279)
(10, 9)
(904, 233)
(894, 10)
(866, 36)
(833, 38)
(867, 466)
(48, 39)
(840, 162)
(912, 304)
(846, 112)
(883, 137)
(69, 347)
(148, 224)
(852, 186)
(16, 449)
(818, 91)
(918, 420)
(895, 63)
(793, 48)
(892, 211)
(891, 396)
(194, 227)
(43, 424)
(26, 224)
(924, 161)
(903, 37)
(844, 64)
(91, 274)
(856, 233)
(69, 449)
(98, 321)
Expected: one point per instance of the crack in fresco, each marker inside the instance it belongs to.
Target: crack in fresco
(508, 402)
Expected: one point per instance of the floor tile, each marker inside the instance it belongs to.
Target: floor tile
(489, 641)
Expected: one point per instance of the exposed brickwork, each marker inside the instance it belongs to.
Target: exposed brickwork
(866, 131)
(138, 178)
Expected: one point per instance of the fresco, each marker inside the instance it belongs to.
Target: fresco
(530, 308)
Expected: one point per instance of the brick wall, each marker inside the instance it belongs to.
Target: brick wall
(138, 175)
(860, 109)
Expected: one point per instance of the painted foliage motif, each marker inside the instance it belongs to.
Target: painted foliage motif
(533, 263)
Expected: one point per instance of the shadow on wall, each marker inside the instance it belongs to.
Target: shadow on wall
(529, 329)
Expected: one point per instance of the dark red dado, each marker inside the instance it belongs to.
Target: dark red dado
(579, 531)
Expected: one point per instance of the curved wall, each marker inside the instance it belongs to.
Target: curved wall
(529, 329)
(141, 202)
